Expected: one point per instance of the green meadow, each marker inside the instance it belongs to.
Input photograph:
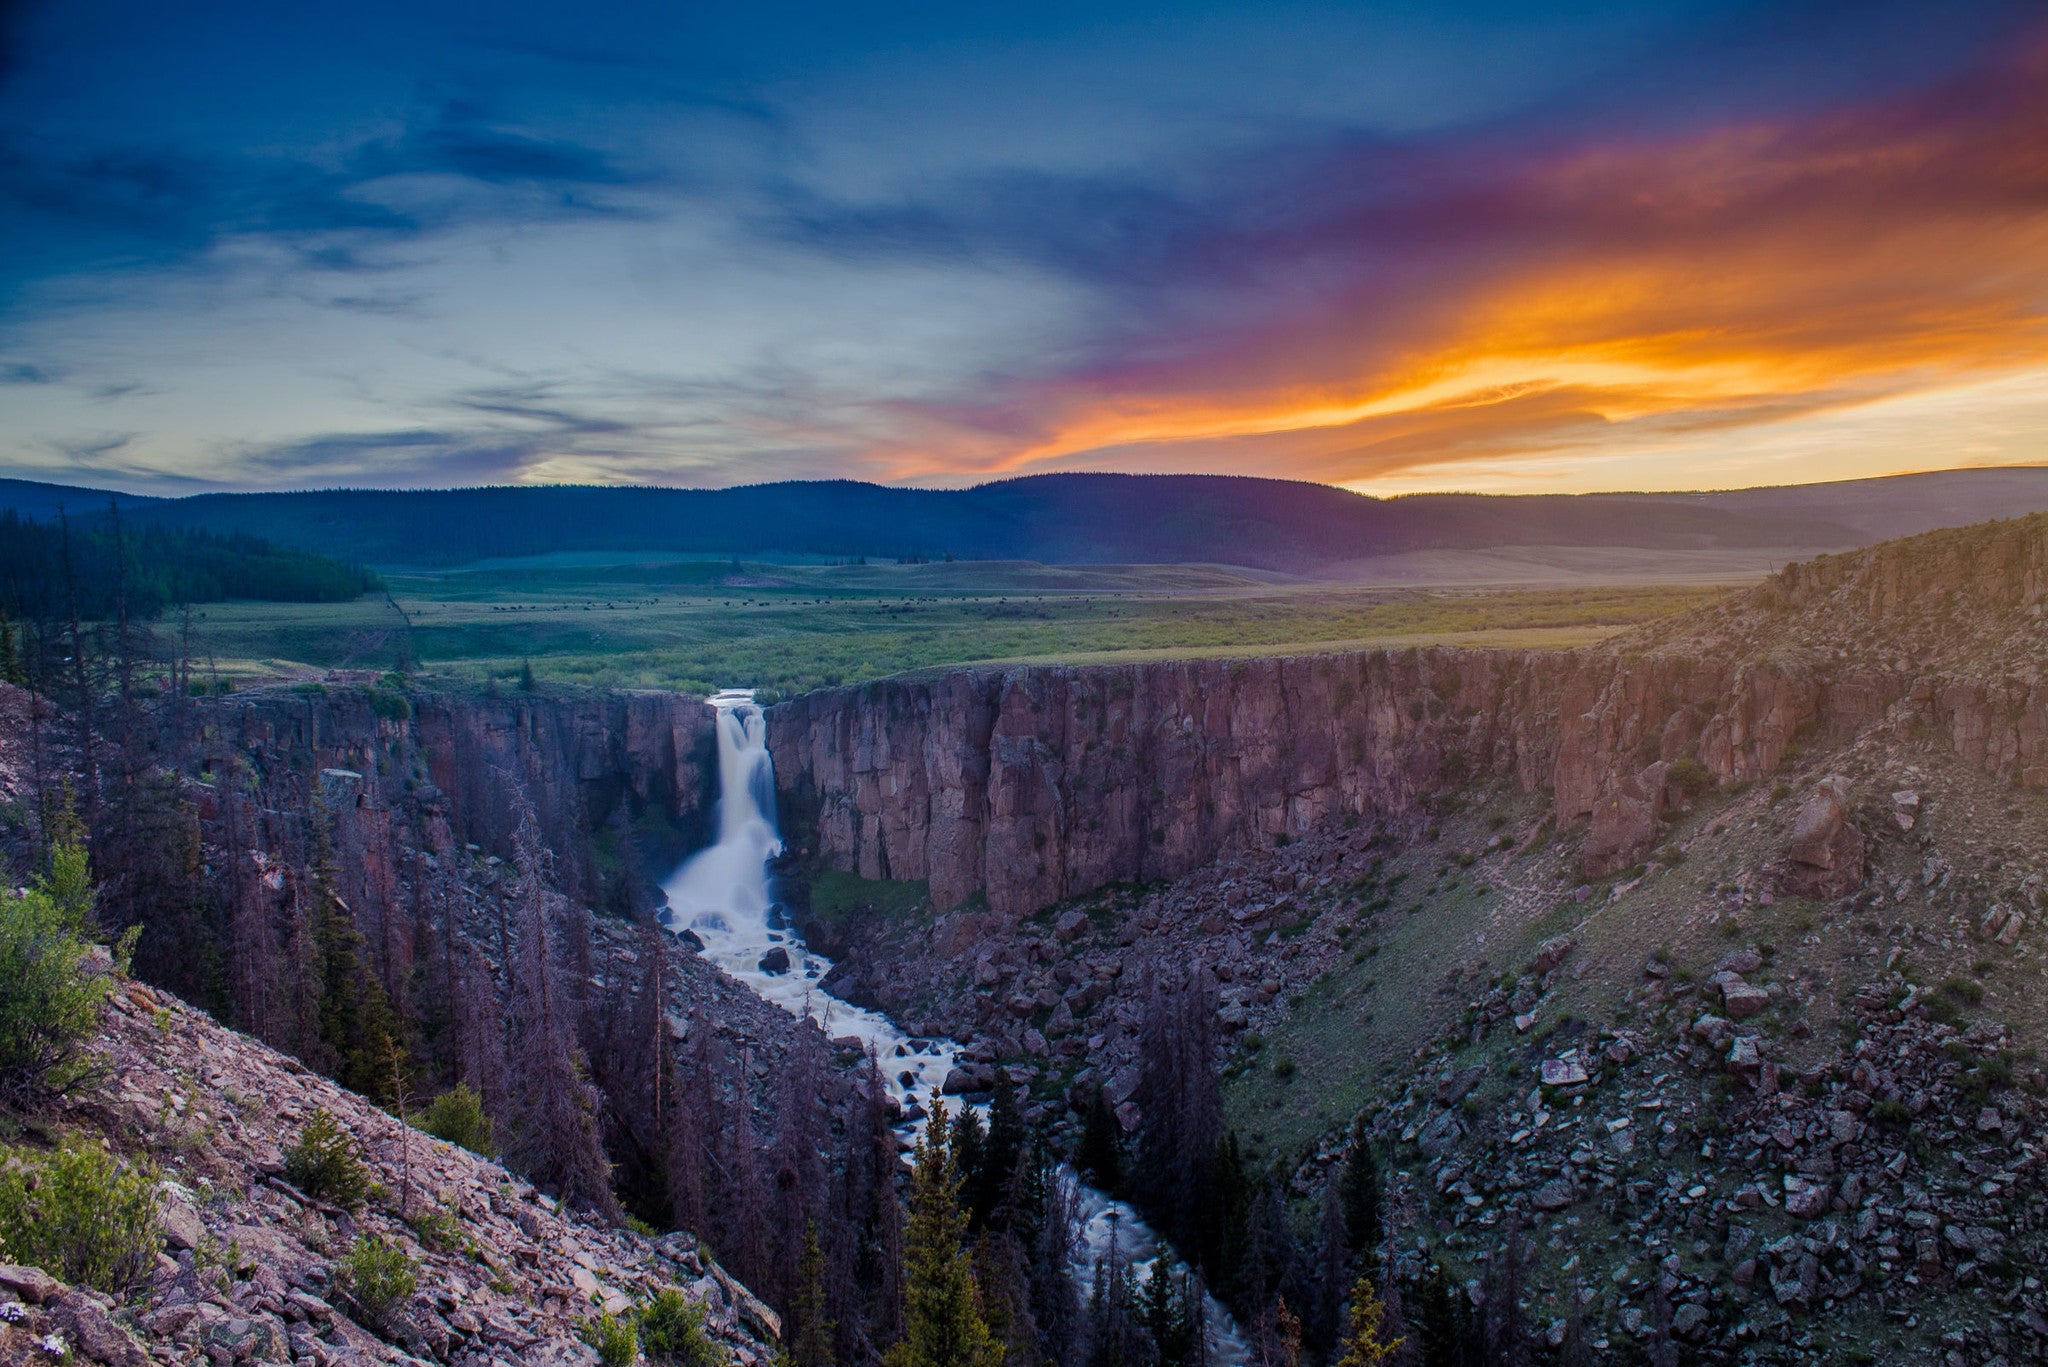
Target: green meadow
(694, 625)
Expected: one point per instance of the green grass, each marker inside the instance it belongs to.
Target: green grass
(695, 625)
(837, 894)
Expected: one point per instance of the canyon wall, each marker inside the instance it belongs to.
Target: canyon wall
(1036, 784)
(456, 768)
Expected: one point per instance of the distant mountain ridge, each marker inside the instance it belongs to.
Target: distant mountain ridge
(1060, 519)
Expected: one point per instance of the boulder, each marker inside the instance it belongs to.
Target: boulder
(1741, 1000)
(1551, 953)
(1442, 1131)
(775, 960)
(1555, 1194)
(1825, 857)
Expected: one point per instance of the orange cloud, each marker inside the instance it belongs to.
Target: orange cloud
(1595, 301)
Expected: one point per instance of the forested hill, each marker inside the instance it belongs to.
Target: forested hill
(1070, 519)
(92, 567)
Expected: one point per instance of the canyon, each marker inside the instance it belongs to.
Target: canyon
(1751, 870)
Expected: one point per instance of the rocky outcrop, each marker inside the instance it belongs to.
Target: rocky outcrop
(249, 1265)
(1825, 856)
(1037, 784)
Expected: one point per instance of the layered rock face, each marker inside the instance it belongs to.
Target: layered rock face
(483, 761)
(1037, 784)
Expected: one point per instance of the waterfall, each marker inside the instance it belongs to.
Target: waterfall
(722, 896)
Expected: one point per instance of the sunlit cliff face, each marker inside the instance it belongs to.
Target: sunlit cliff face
(1514, 315)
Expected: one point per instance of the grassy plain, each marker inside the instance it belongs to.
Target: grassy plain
(694, 625)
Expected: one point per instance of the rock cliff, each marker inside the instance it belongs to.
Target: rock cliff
(1037, 784)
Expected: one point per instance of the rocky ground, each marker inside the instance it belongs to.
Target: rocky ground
(247, 1269)
(1782, 1069)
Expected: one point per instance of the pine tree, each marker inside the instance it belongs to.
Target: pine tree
(1508, 1340)
(1333, 1259)
(1178, 1097)
(1166, 1301)
(1222, 1223)
(943, 1326)
(1360, 1194)
(812, 1345)
(1367, 1344)
(1100, 1156)
(1444, 1328)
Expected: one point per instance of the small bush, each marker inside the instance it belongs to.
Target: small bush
(1964, 990)
(378, 1275)
(672, 1332)
(1690, 776)
(458, 1117)
(390, 704)
(614, 1338)
(79, 1214)
(1941, 1009)
(438, 1230)
(326, 1163)
(1284, 1069)
(1892, 1113)
(49, 996)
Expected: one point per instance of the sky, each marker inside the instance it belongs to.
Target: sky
(1488, 246)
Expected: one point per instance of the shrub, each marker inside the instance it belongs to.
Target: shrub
(326, 1163)
(458, 1117)
(438, 1230)
(1284, 1069)
(614, 1338)
(1892, 1113)
(81, 1215)
(672, 1332)
(1690, 776)
(1964, 990)
(378, 1275)
(390, 704)
(49, 996)
(1941, 1009)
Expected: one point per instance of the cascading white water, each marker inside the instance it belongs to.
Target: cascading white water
(722, 896)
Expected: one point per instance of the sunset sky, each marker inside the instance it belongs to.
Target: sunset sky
(1503, 247)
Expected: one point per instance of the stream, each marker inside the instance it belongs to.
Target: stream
(721, 895)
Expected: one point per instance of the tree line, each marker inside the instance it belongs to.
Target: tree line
(96, 568)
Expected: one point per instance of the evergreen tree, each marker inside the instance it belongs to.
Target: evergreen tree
(942, 1322)
(1045, 1222)
(988, 1186)
(970, 1156)
(1223, 1219)
(1508, 1340)
(1116, 1331)
(1100, 1156)
(812, 1343)
(1178, 1097)
(1167, 1306)
(1360, 1194)
(358, 1029)
(1445, 1333)
(1367, 1343)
